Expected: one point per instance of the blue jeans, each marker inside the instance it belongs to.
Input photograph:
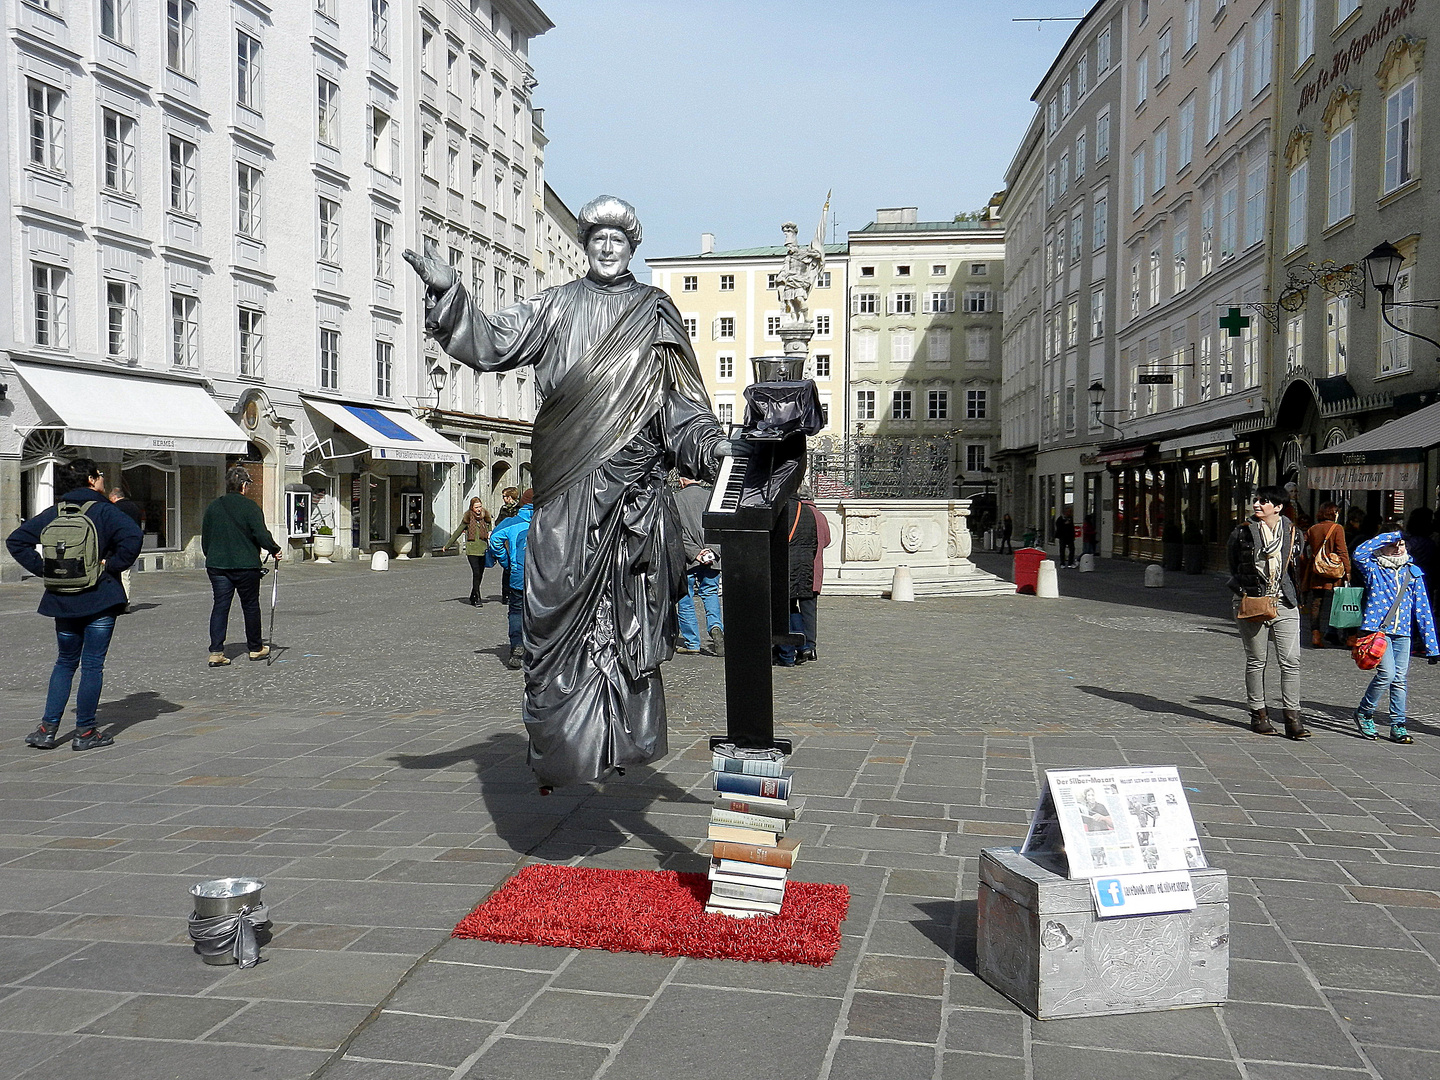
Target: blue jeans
(83, 643)
(515, 606)
(225, 585)
(787, 653)
(1391, 673)
(702, 581)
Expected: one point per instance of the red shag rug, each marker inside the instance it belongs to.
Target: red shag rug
(654, 911)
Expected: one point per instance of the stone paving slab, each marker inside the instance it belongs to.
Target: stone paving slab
(382, 793)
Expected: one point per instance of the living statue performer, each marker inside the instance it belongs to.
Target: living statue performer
(623, 404)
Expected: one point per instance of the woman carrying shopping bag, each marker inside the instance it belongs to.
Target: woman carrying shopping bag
(1327, 565)
(1395, 604)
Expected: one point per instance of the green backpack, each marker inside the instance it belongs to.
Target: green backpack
(70, 548)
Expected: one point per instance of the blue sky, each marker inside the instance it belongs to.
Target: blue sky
(732, 116)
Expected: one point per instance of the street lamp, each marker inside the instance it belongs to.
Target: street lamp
(437, 381)
(1096, 391)
(1383, 265)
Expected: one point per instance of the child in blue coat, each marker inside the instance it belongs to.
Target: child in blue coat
(1395, 604)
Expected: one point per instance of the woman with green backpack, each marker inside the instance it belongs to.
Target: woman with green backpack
(85, 543)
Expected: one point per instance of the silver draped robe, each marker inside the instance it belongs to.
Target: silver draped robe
(623, 403)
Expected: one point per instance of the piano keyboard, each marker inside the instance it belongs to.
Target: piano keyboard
(726, 497)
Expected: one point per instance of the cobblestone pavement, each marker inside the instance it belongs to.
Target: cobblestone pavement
(375, 777)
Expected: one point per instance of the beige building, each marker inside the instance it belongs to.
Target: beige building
(925, 335)
(730, 308)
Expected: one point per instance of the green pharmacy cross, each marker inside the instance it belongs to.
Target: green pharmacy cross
(1233, 322)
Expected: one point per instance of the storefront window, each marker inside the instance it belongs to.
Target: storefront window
(156, 488)
(379, 508)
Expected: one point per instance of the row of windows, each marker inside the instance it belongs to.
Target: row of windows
(50, 325)
(691, 282)
(905, 270)
(1394, 358)
(1077, 83)
(1398, 166)
(937, 404)
(935, 302)
(937, 345)
(725, 366)
(1067, 240)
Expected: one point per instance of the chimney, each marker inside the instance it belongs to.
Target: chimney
(897, 215)
(707, 243)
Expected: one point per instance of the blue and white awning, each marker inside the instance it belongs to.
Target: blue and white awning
(390, 435)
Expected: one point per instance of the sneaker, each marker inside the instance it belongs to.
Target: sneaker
(517, 659)
(717, 640)
(43, 737)
(219, 659)
(1366, 726)
(91, 740)
(688, 650)
(260, 653)
(1398, 734)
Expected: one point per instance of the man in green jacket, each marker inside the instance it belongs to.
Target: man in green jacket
(232, 535)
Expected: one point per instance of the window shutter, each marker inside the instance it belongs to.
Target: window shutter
(715, 330)
(854, 303)
(890, 303)
(394, 126)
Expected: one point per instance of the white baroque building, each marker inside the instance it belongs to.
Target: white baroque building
(205, 208)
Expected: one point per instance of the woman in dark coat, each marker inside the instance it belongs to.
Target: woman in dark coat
(799, 520)
(84, 621)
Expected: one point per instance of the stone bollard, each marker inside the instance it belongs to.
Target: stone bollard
(1047, 582)
(902, 587)
(1154, 576)
(380, 560)
(1087, 563)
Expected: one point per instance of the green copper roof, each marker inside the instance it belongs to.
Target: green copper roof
(762, 252)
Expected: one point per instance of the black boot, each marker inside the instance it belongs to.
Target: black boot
(1294, 728)
(1260, 722)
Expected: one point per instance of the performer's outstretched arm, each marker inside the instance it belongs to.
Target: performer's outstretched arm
(512, 337)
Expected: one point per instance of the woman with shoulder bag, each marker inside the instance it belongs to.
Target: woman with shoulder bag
(476, 527)
(1263, 552)
(1328, 565)
(1395, 603)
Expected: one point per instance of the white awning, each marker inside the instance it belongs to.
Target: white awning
(1394, 476)
(112, 409)
(390, 434)
(1218, 437)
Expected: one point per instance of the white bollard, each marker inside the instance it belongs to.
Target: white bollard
(380, 560)
(1154, 576)
(1047, 582)
(1087, 563)
(902, 587)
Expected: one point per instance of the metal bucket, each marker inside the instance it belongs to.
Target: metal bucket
(770, 369)
(225, 896)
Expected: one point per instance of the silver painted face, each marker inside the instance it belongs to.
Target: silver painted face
(609, 253)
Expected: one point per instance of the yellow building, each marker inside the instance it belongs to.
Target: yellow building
(729, 304)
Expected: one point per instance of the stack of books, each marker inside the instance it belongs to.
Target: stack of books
(752, 856)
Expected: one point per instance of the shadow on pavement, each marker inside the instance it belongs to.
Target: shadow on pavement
(1151, 704)
(951, 925)
(131, 710)
(578, 821)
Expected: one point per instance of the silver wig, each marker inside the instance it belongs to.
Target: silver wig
(606, 211)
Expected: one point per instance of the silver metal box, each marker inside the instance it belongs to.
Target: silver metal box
(1040, 944)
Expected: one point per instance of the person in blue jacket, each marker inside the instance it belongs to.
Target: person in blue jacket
(1395, 605)
(84, 621)
(507, 547)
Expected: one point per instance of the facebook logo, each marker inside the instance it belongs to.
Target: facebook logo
(1110, 892)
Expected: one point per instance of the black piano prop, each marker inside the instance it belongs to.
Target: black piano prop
(752, 809)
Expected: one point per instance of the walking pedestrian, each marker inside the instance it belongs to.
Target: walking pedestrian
(232, 536)
(1395, 604)
(1263, 552)
(702, 571)
(1007, 532)
(809, 606)
(108, 542)
(1327, 565)
(804, 542)
(508, 544)
(476, 525)
(1065, 534)
(121, 500)
(509, 507)
(1089, 537)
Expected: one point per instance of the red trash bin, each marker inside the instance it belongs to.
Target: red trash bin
(1027, 568)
